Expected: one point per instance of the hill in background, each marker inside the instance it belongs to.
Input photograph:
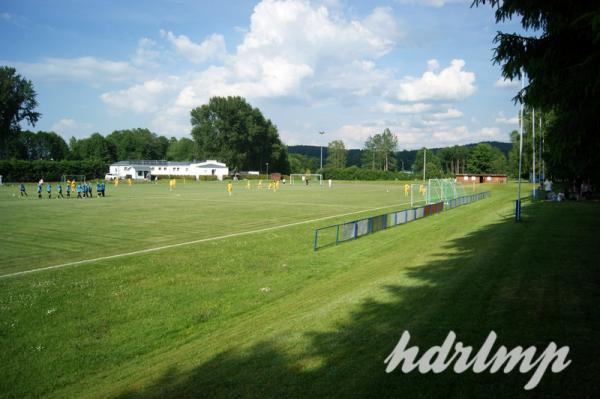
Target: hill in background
(405, 156)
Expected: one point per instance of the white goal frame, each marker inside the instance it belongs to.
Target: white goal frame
(78, 178)
(305, 175)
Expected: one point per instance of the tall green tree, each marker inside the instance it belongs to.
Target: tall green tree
(560, 55)
(231, 130)
(336, 154)
(388, 145)
(17, 104)
(369, 158)
(433, 169)
(41, 145)
(138, 144)
(378, 153)
(486, 159)
(183, 149)
(94, 147)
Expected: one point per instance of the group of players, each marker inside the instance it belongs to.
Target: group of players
(83, 189)
(422, 189)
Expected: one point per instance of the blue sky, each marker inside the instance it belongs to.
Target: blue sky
(421, 68)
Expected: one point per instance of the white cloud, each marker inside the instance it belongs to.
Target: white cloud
(146, 53)
(212, 48)
(490, 133)
(293, 49)
(145, 97)
(507, 121)
(451, 84)
(450, 113)
(432, 3)
(87, 69)
(415, 108)
(68, 127)
(503, 83)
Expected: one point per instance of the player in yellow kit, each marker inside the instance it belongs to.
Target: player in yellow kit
(229, 188)
(406, 190)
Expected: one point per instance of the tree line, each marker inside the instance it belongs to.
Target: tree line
(379, 155)
(227, 129)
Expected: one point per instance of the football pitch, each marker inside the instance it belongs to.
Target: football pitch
(193, 293)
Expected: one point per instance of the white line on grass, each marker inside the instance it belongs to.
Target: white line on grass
(155, 249)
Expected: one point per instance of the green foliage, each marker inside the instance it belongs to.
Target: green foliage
(31, 171)
(356, 173)
(300, 163)
(379, 151)
(486, 159)
(231, 130)
(93, 147)
(452, 160)
(433, 170)
(336, 154)
(17, 103)
(138, 144)
(40, 145)
(560, 59)
(183, 149)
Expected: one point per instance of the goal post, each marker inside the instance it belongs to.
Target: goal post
(300, 178)
(418, 194)
(77, 178)
(443, 190)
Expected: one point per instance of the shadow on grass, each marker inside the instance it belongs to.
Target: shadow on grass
(532, 283)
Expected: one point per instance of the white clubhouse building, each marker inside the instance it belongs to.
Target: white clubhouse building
(144, 169)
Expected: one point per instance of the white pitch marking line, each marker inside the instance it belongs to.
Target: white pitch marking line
(155, 249)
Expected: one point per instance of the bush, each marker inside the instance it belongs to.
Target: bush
(32, 171)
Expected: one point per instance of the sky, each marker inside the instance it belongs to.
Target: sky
(350, 69)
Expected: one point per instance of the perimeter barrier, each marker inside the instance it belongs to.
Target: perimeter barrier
(337, 233)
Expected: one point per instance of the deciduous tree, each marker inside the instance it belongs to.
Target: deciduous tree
(17, 104)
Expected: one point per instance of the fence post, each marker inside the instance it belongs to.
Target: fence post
(337, 234)
(315, 239)
(355, 230)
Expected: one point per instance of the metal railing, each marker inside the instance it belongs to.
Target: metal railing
(337, 233)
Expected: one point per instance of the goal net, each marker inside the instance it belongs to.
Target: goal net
(418, 194)
(312, 178)
(443, 190)
(76, 178)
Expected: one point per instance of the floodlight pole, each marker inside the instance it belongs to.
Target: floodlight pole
(321, 133)
(424, 161)
(533, 144)
(541, 171)
(518, 205)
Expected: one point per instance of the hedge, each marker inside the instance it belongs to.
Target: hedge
(32, 171)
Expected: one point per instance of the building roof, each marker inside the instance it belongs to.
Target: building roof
(210, 165)
(482, 174)
(203, 164)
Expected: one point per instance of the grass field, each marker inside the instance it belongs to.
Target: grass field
(262, 315)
